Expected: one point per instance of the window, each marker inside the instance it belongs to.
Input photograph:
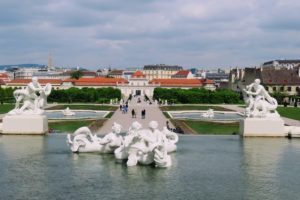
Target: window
(289, 89)
(267, 88)
(281, 89)
(274, 89)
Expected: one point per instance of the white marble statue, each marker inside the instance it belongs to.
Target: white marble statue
(68, 112)
(258, 101)
(83, 140)
(147, 146)
(143, 146)
(32, 102)
(172, 139)
(208, 114)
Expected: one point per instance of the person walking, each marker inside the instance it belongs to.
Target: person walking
(133, 115)
(144, 113)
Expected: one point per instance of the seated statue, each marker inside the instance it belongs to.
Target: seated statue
(258, 101)
(32, 103)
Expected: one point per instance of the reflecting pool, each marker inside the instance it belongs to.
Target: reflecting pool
(205, 167)
(79, 114)
(198, 115)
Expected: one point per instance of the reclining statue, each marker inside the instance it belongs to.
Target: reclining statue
(83, 140)
(258, 101)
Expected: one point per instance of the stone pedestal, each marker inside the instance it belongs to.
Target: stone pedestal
(262, 127)
(25, 124)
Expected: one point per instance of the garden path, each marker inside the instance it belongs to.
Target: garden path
(152, 113)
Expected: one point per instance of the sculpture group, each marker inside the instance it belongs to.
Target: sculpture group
(258, 101)
(32, 102)
(143, 146)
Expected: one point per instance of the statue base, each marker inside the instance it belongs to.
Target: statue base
(262, 127)
(25, 124)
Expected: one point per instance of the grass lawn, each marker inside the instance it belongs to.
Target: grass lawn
(83, 107)
(289, 112)
(191, 107)
(166, 115)
(109, 115)
(213, 128)
(5, 108)
(71, 126)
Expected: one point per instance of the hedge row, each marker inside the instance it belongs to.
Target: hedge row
(197, 95)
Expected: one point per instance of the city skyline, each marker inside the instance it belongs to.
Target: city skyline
(110, 33)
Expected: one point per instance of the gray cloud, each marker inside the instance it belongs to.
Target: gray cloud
(136, 32)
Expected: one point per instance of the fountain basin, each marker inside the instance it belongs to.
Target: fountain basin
(79, 114)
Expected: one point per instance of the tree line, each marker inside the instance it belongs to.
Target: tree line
(92, 95)
(197, 95)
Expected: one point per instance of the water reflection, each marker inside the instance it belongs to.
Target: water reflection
(212, 167)
(262, 166)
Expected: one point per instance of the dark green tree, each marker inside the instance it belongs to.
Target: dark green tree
(76, 74)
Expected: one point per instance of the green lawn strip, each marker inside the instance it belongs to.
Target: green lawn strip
(71, 126)
(83, 107)
(5, 108)
(191, 107)
(166, 115)
(213, 128)
(109, 115)
(289, 112)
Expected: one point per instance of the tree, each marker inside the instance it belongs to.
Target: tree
(76, 74)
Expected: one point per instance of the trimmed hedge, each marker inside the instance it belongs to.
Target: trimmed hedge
(197, 95)
(94, 95)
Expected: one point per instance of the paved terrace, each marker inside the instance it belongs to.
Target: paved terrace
(152, 113)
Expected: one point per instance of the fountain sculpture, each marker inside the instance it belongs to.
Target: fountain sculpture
(144, 146)
(208, 114)
(68, 112)
(29, 117)
(262, 118)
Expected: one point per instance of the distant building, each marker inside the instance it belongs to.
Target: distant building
(283, 80)
(4, 77)
(160, 71)
(137, 84)
(278, 64)
(183, 74)
(116, 73)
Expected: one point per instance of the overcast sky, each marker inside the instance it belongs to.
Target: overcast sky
(132, 33)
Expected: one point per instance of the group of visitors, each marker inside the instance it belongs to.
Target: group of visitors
(143, 113)
(124, 108)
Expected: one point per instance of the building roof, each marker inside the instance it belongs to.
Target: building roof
(2, 82)
(282, 61)
(280, 77)
(181, 82)
(97, 81)
(3, 76)
(41, 81)
(163, 67)
(138, 74)
(116, 72)
(181, 74)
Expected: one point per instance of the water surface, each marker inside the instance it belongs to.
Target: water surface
(205, 167)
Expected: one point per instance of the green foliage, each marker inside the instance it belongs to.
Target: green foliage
(197, 95)
(6, 95)
(94, 95)
(76, 74)
(279, 96)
